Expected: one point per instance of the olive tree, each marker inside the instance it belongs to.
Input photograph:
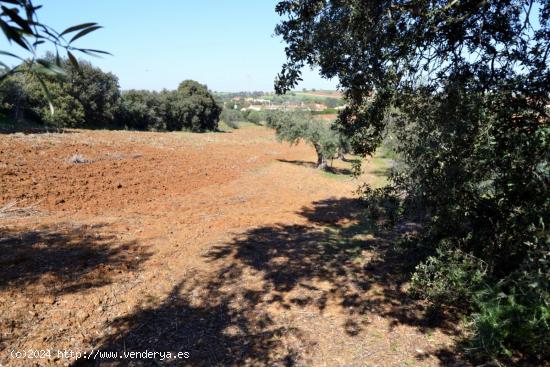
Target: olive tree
(294, 127)
(190, 107)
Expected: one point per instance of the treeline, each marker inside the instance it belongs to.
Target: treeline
(87, 97)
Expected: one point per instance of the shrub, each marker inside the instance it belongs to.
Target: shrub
(190, 107)
(14, 100)
(254, 117)
(383, 206)
(69, 112)
(97, 91)
(84, 97)
(513, 317)
(231, 117)
(140, 110)
(473, 133)
(451, 277)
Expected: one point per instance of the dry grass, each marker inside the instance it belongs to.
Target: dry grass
(12, 210)
(78, 158)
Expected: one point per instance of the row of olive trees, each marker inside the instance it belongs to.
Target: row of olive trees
(84, 96)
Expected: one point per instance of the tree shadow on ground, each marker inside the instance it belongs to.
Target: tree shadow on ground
(232, 316)
(64, 258)
(34, 130)
(206, 323)
(381, 172)
(10, 126)
(334, 170)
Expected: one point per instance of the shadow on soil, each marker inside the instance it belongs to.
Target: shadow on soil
(334, 170)
(64, 258)
(235, 315)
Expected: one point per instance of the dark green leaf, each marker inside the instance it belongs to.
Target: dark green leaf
(77, 28)
(90, 51)
(51, 67)
(73, 60)
(84, 32)
(24, 24)
(10, 54)
(14, 34)
(48, 95)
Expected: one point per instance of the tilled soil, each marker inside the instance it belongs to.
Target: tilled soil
(227, 246)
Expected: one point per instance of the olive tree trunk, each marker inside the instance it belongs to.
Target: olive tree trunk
(321, 160)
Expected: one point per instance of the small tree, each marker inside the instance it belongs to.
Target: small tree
(190, 107)
(140, 110)
(82, 96)
(254, 117)
(231, 117)
(69, 111)
(296, 127)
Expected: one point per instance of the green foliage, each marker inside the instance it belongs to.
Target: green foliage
(231, 117)
(463, 88)
(383, 206)
(450, 277)
(254, 117)
(83, 96)
(514, 316)
(190, 107)
(294, 127)
(328, 111)
(140, 110)
(13, 97)
(86, 97)
(69, 110)
(96, 90)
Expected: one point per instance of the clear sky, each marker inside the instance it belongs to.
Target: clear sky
(227, 44)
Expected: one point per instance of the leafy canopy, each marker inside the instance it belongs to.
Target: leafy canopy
(464, 86)
(294, 127)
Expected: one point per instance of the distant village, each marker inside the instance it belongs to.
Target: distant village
(259, 104)
(325, 101)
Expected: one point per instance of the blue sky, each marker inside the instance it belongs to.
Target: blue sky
(227, 44)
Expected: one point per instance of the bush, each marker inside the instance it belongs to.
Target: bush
(254, 117)
(473, 135)
(97, 91)
(231, 117)
(85, 97)
(383, 206)
(451, 277)
(513, 317)
(190, 107)
(140, 110)
(14, 100)
(484, 181)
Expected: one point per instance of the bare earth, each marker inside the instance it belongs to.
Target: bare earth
(228, 246)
